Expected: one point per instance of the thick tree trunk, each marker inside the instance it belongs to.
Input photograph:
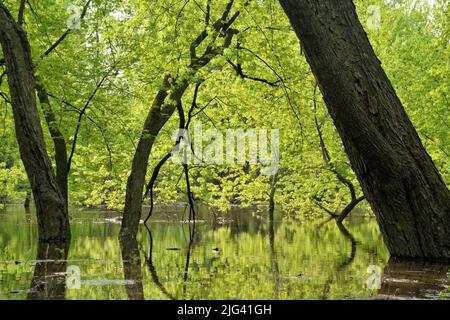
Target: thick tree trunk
(51, 211)
(398, 177)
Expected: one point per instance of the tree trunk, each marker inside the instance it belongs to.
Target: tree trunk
(61, 161)
(26, 203)
(135, 185)
(51, 211)
(159, 114)
(398, 177)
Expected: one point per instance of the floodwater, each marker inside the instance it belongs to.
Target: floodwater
(243, 255)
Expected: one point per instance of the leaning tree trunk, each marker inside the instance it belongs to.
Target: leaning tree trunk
(51, 211)
(135, 184)
(398, 177)
(161, 111)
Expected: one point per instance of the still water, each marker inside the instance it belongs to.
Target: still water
(244, 255)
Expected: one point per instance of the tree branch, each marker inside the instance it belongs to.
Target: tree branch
(66, 33)
(327, 159)
(240, 73)
(83, 111)
(208, 12)
(344, 213)
(20, 18)
(183, 126)
(95, 123)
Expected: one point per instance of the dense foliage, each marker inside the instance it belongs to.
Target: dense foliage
(102, 79)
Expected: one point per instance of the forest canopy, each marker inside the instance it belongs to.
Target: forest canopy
(101, 74)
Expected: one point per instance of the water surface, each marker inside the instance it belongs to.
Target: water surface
(244, 255)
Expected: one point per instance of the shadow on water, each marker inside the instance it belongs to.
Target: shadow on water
(49, 278)
(408, 279)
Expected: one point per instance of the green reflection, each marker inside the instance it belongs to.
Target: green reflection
(250, 256)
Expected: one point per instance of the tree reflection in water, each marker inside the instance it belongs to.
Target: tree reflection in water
(131, 259)
(345, 263)
(49, 278)
(276, 258)
(152, 269)
(273, 253)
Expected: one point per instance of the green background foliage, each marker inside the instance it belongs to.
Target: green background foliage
(136, 43)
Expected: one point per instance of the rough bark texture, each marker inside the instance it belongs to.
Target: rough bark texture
(51, 211)
(398, 177)
(61, 161)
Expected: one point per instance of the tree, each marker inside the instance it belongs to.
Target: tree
(164, 105)
(62, 161)
(398, 177)
(51, 210)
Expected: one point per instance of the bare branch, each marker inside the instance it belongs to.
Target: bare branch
(21, 18)
(327, 159)
(240, 73)
(349, 208)
(183, 125)
(208, 12)
(83, 111)
(5, 97)
(94, 122)
(66, 33)
(217, 26)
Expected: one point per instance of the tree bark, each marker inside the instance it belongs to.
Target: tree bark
(61, 161)
(53, 221)
(398, 177)
(26, 203)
